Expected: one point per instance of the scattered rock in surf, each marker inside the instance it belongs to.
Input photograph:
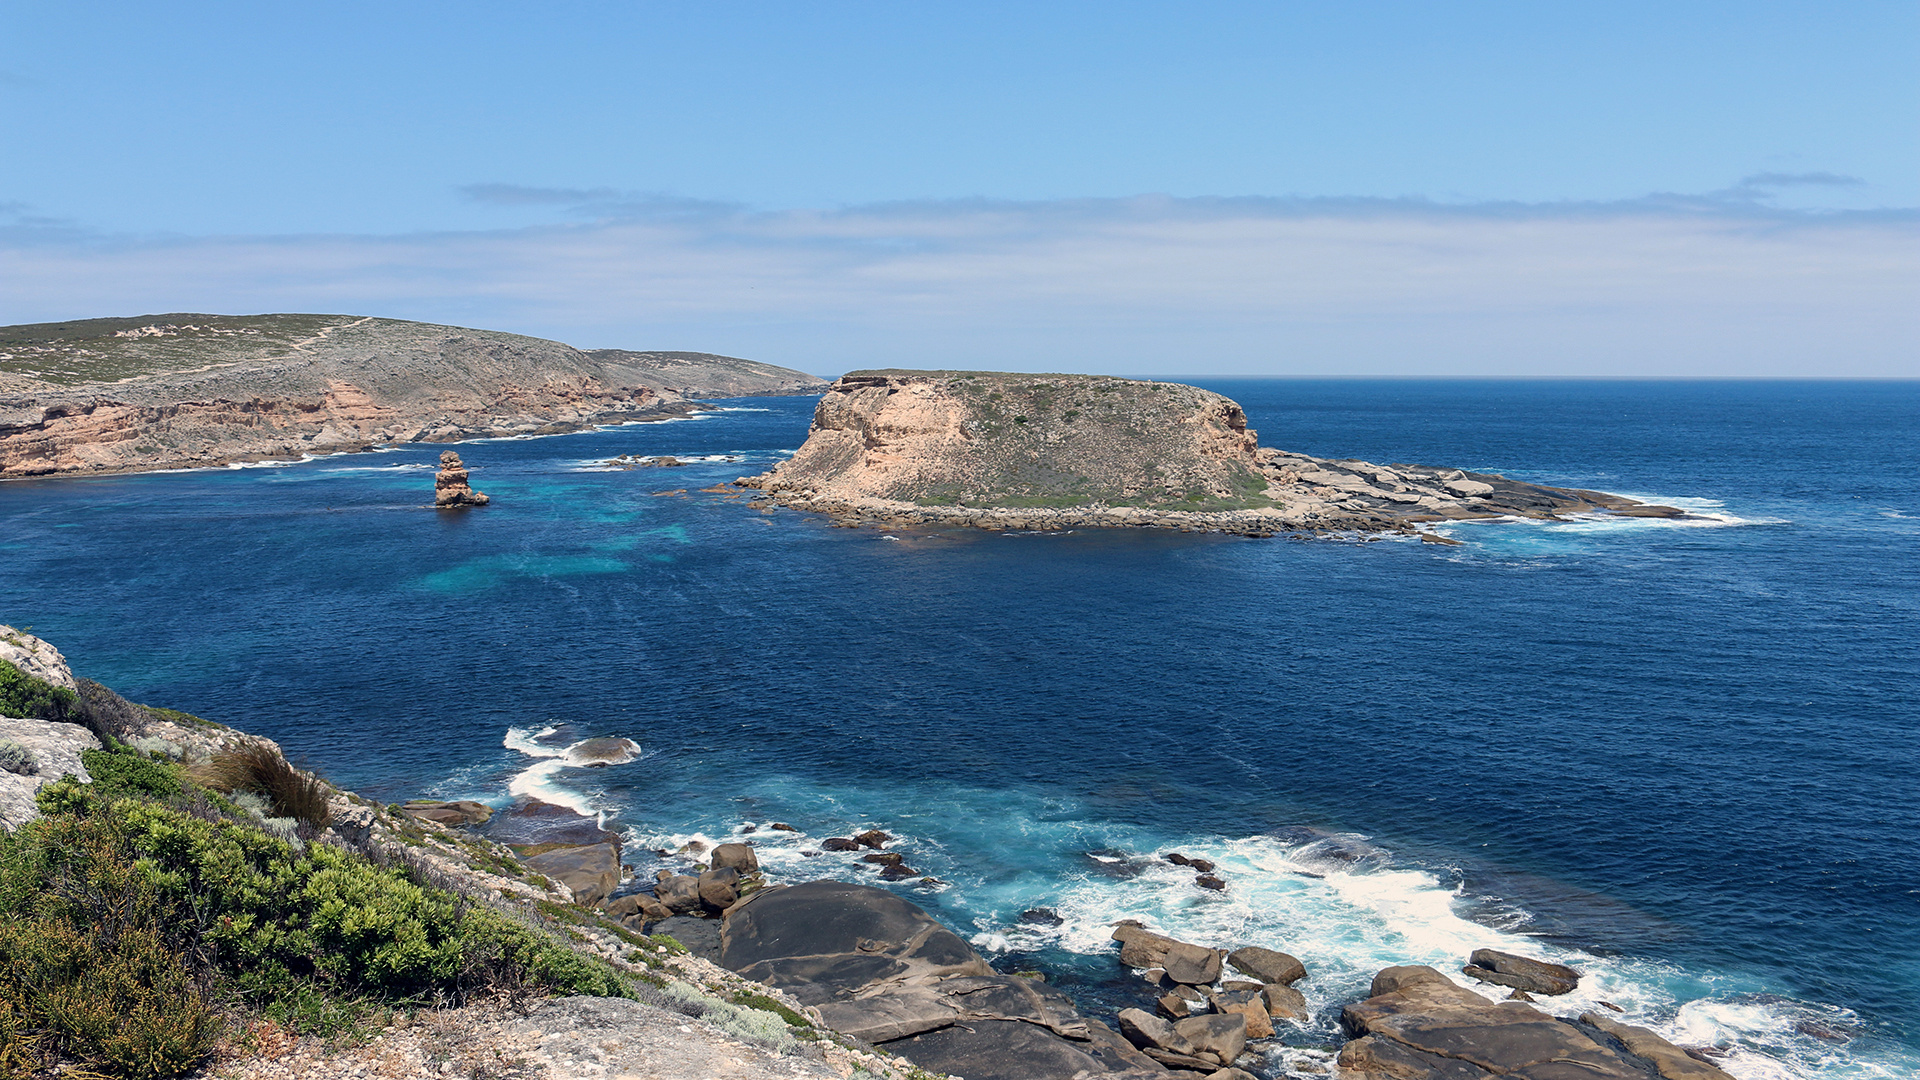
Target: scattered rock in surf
(1041, 917)
(1212, 882)
(1267, 965)
(899, 871)
(839, 843)
(1178, 859)
(637, 461)
(1201, 866)
(604, 751)
(872, 838)
(1521, 973)
(781, 826)
(450, 488)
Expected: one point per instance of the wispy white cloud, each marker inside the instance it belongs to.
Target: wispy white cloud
(1151, 285)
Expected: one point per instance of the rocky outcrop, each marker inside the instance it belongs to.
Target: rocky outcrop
(1419, 1025)
(34, 657)
(178, 391)
(1521, 973)
(1005, 451)
(53, 751)
(878, 968)
(450, 486)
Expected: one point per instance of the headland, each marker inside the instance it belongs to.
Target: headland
(175, 391)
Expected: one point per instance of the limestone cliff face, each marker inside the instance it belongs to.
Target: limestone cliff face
(1004, 451)
(173, 391)
(989, 439)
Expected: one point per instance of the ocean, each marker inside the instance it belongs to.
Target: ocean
(1679, 755)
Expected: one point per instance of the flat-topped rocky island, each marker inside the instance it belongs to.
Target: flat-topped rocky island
(1009, 451)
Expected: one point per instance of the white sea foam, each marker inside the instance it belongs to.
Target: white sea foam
(1345, 906)
(544, 780)
(541, 782)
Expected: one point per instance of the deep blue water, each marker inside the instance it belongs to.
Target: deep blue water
(1682, 756)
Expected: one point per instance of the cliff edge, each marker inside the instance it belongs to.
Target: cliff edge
(187, 390)
(1000, 450)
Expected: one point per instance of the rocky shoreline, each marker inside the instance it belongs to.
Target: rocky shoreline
(751, 978)
(105, 396)
(1012, 452)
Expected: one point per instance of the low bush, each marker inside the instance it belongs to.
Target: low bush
(136, 908)
(15, 758)
(29, 698)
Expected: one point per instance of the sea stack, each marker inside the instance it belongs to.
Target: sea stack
(450, 486)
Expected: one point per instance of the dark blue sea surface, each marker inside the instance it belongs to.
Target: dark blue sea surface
(1681, 755)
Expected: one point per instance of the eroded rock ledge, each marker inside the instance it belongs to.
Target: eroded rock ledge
(1007, 451)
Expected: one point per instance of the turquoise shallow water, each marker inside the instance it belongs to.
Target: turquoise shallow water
(1679, 755)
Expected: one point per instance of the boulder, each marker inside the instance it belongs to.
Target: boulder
(591, 871)
(1284, 1002)
(1251, 1004)
(1267, 965)
(897, 872)
(1221, 1036)
(1192, 965)
(718, 889)
(839, 843)
(643, 907)
(1419, 1025)
(872, 838)
(1041, 916)
(1174, 1007)
(739, 857)
(679, 892)
(1211, 882)
(1521, 973)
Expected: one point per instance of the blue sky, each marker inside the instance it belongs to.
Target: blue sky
(1193, 189)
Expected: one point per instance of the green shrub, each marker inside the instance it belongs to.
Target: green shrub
(29, 698)
(117, 774)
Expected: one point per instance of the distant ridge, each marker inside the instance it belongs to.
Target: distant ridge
(193, 389)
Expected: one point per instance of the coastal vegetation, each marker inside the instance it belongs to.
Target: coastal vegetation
(140, 910)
